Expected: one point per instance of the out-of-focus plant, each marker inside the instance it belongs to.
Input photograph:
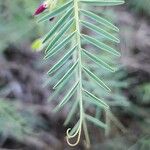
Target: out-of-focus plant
(143, 93)
(77, 54)
(16, 22)
(142, 144)
(140, 5)
(17, 122)
(12, 124)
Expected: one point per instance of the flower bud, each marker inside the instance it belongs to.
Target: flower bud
(41, 8)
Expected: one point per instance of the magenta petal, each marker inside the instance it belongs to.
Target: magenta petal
(39, 10)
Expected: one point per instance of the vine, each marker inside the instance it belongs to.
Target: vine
(58, 40)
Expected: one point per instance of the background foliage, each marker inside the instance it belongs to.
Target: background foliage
(22, 95)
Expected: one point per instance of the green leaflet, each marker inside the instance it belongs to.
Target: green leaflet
(95, 78)
(59, 24)
(100, 31)
(96, 100)
(96, 121)
(71, 113)
(57, 92)
(58, 75)
(101, 45)
(61, 61)
(59, 35)
(67, 97)
(98, 61)
(59, 46)
(57, 11)
(68, 74)
(103, 2)
(99, 19)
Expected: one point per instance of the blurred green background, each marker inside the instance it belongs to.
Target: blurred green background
(26, 118)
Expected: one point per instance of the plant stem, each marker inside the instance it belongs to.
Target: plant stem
(78, 40)
(79, 72)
